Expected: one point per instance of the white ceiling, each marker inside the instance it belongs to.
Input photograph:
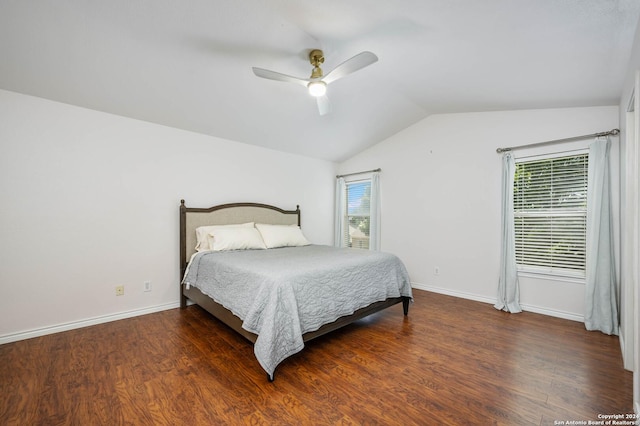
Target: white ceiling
(187, 64)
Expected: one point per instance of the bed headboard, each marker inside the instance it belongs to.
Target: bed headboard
(227, 214)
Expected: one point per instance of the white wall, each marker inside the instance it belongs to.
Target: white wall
(90, 201)
(440, 191)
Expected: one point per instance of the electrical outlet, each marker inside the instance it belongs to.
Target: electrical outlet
(147, 286)
(120, 290)
(436, 270)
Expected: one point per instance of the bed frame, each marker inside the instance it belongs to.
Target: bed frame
(226, 214)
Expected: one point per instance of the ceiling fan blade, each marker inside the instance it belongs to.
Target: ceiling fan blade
(272, 75)
(324, 106)
(353, 64)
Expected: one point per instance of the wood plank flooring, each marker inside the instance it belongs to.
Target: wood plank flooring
(451, 361)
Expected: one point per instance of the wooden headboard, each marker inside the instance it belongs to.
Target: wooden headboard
(227, 214)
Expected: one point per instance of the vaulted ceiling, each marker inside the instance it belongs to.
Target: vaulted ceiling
(187, 64)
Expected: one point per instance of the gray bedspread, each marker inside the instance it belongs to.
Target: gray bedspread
(285, 292)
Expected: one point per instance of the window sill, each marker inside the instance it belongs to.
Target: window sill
(551, 277)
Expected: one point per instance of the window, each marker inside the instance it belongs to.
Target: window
(358, 214)
(357, 218)
(550, 215)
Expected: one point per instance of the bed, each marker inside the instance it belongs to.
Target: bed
(286, 293)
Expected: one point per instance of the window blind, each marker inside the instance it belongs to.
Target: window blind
(550, 215)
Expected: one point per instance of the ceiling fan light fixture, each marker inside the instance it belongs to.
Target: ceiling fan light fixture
(317, 88)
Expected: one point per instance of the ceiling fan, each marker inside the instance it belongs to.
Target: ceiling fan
(317, 83)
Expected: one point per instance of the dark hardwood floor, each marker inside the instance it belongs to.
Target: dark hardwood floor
(452, 361)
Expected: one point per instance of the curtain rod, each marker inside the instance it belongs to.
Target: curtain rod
(613, 132)
(359, 173)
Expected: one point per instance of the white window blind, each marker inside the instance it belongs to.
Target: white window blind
(550, 215)
(357, 214)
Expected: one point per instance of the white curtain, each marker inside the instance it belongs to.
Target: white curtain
(508, 287)
(374, 218)
(601, 305)
(339, 220)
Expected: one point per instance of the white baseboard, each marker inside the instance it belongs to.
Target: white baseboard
(626, 362)
(454, 293)
(529, 308)
(23, 335)
(553, 313)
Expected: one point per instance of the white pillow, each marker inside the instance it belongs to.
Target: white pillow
(282, 235)
(236, 238)
(202, 233)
